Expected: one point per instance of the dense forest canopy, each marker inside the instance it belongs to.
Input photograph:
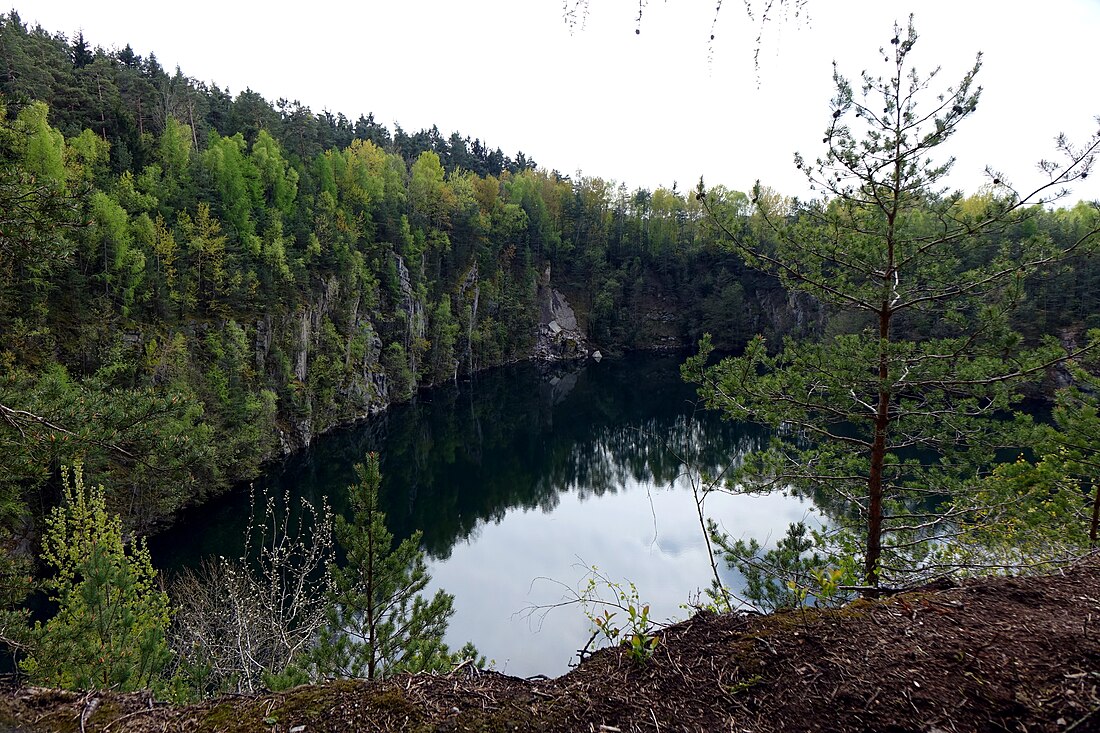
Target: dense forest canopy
(228, 276)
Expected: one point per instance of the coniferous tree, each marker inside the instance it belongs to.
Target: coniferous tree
(82, 55)
(379, 621)
(110, 628)
(876, 424)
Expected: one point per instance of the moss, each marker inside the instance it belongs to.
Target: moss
(105, 714)
(858, 605)
(794, 619)
(394, 701)
(228, 716)
(308, 704)
(314, 706)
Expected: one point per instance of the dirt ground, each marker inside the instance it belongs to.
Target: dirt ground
(1009, 654)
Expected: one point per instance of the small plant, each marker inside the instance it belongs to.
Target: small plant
(828, 581)
(603, 601)
(798, 593)
(637, 634)
(743, 685)
(605, 628)
(642, 643)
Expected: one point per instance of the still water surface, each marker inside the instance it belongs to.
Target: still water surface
(520, 481)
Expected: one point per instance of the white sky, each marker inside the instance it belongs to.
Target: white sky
(644, 109)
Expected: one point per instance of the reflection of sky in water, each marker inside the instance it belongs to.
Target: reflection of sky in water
(652, 539)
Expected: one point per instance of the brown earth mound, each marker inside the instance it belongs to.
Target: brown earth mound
(1010, 654)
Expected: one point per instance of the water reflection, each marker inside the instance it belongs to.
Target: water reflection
(525, 474)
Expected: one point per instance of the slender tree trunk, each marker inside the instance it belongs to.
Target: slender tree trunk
(1095, 525)
(191, 119)
(882, 413)
(372, 622)
(102, 116)
(878, 457)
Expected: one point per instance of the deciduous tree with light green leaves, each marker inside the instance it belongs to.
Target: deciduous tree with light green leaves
(877, 425)
(37, 211)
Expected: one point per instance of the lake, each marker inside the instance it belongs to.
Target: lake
(521, 480)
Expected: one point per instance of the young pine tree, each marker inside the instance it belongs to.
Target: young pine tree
(379, 623)
(109, 630)
(883, 422)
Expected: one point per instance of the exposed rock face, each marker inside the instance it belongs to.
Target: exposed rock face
(367, 391)
(658, 316)
(289, 346)
(411, 305)
(331, 386)
(783, 314)
(363, 390)
(469, 296)
(559, 336)
(1059, 376)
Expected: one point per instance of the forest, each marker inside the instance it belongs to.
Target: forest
(195, 283)
(231, 277)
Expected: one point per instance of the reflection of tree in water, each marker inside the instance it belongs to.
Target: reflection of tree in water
(654, 451)
(514, 438)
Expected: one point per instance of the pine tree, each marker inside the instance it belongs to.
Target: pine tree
(82, 55)
(109, 630)
(379, 623)
(881, 422)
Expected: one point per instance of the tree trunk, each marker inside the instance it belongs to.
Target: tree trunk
(878, 456)
(1095, 515)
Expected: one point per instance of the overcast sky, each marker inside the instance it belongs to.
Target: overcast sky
(646, 108)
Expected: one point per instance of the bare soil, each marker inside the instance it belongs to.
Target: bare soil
(1008, 654)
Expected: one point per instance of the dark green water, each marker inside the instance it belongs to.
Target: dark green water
(522, 479)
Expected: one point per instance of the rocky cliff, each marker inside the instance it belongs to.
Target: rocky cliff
(559, 335)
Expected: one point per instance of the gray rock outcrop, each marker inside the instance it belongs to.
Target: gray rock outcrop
(559, 335)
